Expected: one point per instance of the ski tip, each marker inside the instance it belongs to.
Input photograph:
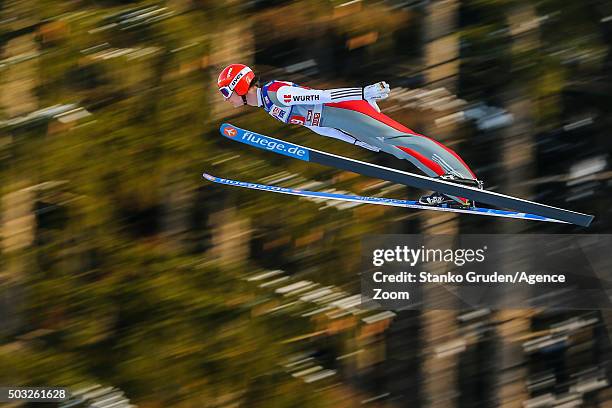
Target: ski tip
(224, 125)
(208, 177)
(228, 130)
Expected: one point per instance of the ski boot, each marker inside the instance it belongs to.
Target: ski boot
(438, 200)
(443, 200)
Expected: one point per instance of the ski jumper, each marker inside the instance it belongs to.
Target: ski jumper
(343, 114)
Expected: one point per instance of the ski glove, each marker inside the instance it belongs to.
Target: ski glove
(377, 91)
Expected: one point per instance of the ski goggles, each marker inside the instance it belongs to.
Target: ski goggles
(226, 91)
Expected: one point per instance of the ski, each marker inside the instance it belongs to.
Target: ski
(402, 177)
(376, 200)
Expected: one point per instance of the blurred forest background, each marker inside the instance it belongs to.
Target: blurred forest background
(122, 267)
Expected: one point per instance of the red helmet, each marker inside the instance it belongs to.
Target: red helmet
(235, 78)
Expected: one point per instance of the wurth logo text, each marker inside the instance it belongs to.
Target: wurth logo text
(305, 98)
